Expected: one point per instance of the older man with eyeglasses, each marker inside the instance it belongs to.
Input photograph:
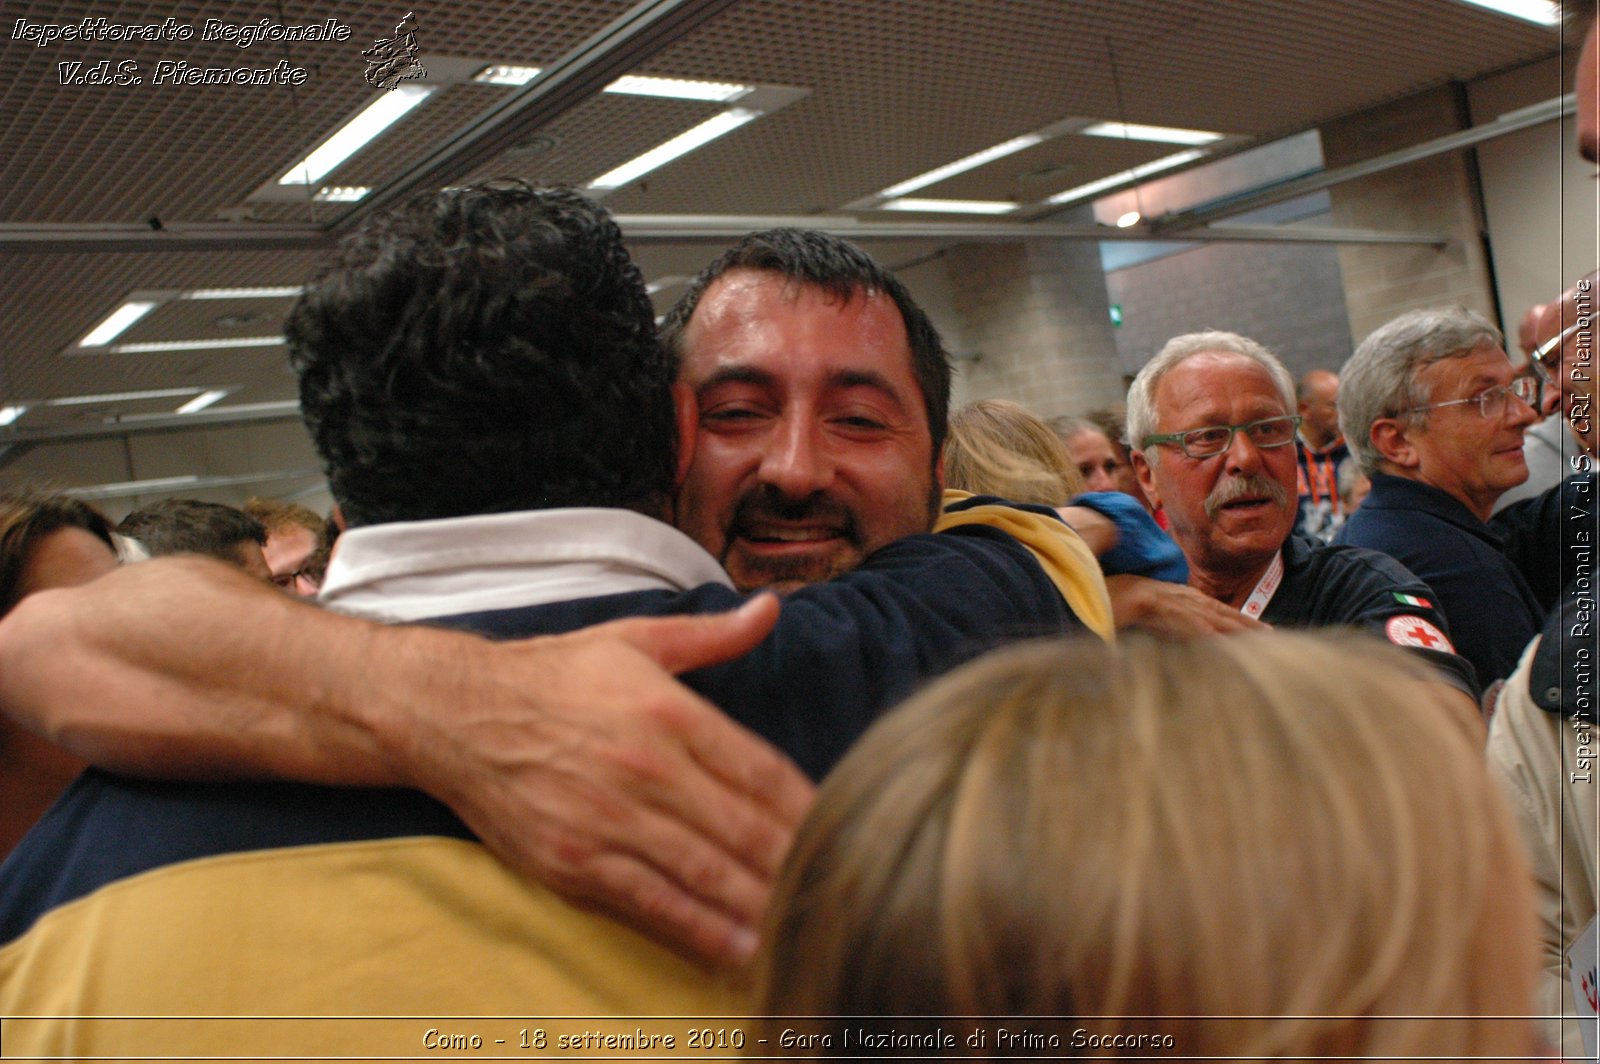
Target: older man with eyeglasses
(1212, 421)
(1435, 413)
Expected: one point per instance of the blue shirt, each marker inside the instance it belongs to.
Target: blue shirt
(1493, 612)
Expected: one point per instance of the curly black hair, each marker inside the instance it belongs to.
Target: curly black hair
(809, 256)
(483, 350)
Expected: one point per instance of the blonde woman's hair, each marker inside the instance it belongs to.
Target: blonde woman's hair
(1292, 833)
(997, 447)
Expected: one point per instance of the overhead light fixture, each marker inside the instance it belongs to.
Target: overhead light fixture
(342, 193)
(677, 88)
(506, 75)
(1160, 134)
(950, 206)
(8, 414)
(1122, 177)
(684, 143)
(283, 292)
(671, 280)
(195, 345)
(627, 85)
(203, 400)
(116, 397)
(376, 117)
(1130, 219)
(961, 166)
(117, 323)
(1539, 12)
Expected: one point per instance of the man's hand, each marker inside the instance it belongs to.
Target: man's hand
(1174, 610)
(617, 786)
(577, 758)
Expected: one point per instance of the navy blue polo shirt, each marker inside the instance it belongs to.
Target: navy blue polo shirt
(1492, 610)
(1331, 586)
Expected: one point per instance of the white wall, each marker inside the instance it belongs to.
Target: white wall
(1540, 198)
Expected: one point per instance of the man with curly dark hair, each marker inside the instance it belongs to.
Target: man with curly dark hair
(480, 373)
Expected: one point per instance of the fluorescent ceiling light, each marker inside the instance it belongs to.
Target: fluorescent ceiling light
(950, 206)
(8, 414)
(961, 166)
(682, 144)
(205, 399)
(244, 293)
(376, 117)
(1162, 134)
(342, 193)
(195, 345)
(628, 84)
(1541, 12)
(677, 88)
(506, 75)
(117, 397)
(1124, 176)
(117, 323)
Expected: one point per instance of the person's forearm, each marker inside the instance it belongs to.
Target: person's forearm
(1097, 530)
(577, 759)
(190, 668)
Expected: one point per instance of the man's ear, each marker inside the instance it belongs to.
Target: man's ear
(687, 409)
(337, 513)
(1146, 475)
(1392, 438)
(938, 470)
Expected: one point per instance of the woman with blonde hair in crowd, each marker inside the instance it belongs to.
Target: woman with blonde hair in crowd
(997, 447)
(1270, 845)
(46, 541)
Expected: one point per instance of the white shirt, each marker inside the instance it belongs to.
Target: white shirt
(412, 570)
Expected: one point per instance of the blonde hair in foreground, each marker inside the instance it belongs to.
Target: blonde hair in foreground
(1281, 826)
(997, 447)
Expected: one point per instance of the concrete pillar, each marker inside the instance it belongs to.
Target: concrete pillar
(1036, 316)
(1438, 194)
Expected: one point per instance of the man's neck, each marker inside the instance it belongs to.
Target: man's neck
(1315, 440)
(1230, 586)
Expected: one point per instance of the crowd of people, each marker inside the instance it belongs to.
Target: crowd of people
(1293, 738)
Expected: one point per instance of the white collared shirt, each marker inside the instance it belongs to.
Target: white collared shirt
(412, 570)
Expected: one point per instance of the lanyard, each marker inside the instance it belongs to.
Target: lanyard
(1265, 588)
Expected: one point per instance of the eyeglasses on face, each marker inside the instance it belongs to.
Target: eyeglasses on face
(1492, 403)
(1546, 358)
(1214, 439)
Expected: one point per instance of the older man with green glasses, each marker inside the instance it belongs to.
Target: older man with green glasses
(1212, 420)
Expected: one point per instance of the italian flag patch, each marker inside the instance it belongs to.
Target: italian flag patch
(1411, 600)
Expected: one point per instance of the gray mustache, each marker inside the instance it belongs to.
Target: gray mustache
(1230, 489)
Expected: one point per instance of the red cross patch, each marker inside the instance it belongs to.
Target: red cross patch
(1412, 631)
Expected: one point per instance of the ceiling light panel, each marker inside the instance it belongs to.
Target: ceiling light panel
(118, 323)
(217, 344)
(1159, 134)
(960, 166)
(203, 400)
(1539, 12)
(283, 292)
(1082, 192)
(684, 143)
(356, 134)
(948, 206)
(678, 88)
